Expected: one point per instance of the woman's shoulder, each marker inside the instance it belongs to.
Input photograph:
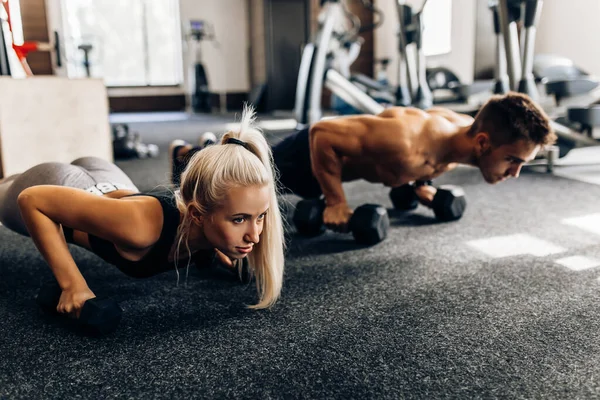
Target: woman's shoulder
(161, 203)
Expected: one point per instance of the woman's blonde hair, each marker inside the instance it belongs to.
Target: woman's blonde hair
(205, 182)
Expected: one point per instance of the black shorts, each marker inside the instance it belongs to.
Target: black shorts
(292, 160)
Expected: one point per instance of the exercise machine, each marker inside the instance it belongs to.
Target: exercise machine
(412, 88)
(439, 85)
(447, 87)
(5, 42)
(520, 68)
(199, 30)
(317, 68)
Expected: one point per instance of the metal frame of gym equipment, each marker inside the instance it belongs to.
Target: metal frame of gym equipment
(411, 31)
(199, 96)
(20, 51)
(316, 71)
(520, 70)
(412, 83)
(317, 61)
(4, 62)
(412, 87)
(411, 71)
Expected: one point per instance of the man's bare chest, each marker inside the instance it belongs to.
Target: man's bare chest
(394, 172)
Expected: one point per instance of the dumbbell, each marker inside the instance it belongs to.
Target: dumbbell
(98, 316)
(145, 150)
(404, 197)
(120, 131)
(206, 259)
(369, 223)
(124, 147)
(448, 204)
(129, 145)
(207, 139)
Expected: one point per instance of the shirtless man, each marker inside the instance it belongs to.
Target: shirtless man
(402, 145)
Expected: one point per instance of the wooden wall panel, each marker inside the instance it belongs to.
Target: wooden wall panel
(35, 28)
(40, 63)
(364, 64)
(147, 103)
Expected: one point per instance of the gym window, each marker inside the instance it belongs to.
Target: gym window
(437, 23)
(134, 42)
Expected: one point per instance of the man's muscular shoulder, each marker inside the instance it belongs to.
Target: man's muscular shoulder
(401, 112)
(365, 134)
(454, 117)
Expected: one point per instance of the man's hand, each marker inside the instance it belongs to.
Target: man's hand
(336, 217)
(425, 194)
(72, 300)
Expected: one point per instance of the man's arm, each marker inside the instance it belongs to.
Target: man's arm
(327, 166)
(330, 142)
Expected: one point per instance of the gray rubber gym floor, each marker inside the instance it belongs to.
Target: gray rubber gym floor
(501, 304)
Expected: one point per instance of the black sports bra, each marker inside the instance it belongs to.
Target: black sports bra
(157, 259)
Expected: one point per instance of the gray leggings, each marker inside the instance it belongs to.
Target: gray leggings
(89, 173)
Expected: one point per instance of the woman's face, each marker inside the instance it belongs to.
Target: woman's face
(235, 227)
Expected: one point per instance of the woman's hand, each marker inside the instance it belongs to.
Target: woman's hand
(72, 300)
(223, 259)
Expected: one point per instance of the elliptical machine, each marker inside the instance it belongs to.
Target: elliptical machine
(317, 69)
(411, 32)
(428, 86)
(449, 90)
(5, 44)
(200, 94)
(520, 64)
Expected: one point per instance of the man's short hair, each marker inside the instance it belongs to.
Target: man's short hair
(512, 117)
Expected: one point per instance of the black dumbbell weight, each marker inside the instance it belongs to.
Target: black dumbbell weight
(449, 203)
(369, 223)
(124, 147)
(208, 259)
(98, 316)
(308, 217)
(404, 197)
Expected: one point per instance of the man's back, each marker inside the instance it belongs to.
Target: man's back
(393, 148)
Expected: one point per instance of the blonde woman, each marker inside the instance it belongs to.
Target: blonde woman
(227, 201)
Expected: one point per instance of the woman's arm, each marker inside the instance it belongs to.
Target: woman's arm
(48, 237)
(132, 223)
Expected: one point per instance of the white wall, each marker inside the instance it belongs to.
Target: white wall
(461, 57)
(226, 61)
(571, 29)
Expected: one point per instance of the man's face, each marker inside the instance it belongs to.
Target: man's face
(497, 163)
